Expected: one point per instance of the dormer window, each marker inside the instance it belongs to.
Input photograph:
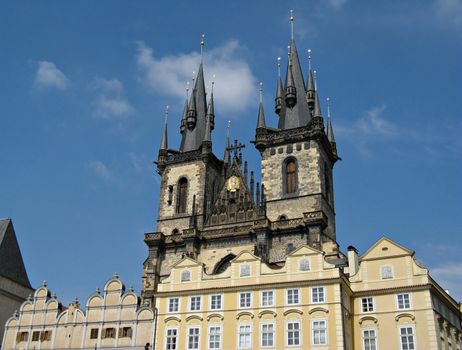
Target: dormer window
(182, 196)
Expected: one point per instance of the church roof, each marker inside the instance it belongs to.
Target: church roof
(11, 263)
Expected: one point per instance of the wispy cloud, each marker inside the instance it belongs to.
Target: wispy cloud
(337, 4)
(111, 102)
(234, 87)
(373, 123)
(100, 169)
(49, 76)
(139, 162)
(449, 276)
(450, 10)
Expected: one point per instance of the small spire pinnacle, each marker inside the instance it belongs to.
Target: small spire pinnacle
(164, 141)
(330, 130)
(315, 78)
(193, 77)
(292, 19)
(279, 88)
(213, 82)
(187, 90)
(317, 107)
(202, 48)
(261, 113)
(291, 91)
(309, 59)
(228, 144)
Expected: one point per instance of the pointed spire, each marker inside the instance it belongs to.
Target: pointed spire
(279, 88)
(291, 91)
(211, 108)
(192, 113)
(317, 107)
(330, 130)
(261, 113)
(292, 19)
(207, 134)
(202, 48)
(226, 157)
(310, 89)
(164, 141)
(185, 111)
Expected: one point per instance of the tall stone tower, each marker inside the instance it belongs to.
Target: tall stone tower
(212, 209)
(298, 156)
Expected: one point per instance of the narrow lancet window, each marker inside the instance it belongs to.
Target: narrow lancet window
(291, 176)
(182, 195)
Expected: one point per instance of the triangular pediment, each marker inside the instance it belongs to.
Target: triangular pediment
(245, 255)
(186, 262)
(305, 250)
(385, 248)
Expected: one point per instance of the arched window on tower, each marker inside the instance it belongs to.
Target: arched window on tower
(290, 176)
(182, 195)
(327, 182)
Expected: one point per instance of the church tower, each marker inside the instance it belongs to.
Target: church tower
(299, 155)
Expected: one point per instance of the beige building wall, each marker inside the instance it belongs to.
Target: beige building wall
(113, 319)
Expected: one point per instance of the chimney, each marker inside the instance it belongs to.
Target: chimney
(353, 261)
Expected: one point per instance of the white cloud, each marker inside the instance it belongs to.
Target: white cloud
(111, 102)
(48, 75)
(448, 276)
(450, 9)
(337, 4)
(100, 169)
(372, 123)
(235, 86)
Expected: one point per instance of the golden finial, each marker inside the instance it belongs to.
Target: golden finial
(261, 92)
(292, 19)
(202, 48)
(193, 76)
(228, 127)
(309, 59)
(279, 66)
(213, 82)
(187, 90)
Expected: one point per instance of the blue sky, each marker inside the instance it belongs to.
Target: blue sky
(84, 86)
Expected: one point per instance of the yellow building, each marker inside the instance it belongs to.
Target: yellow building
(235, 264)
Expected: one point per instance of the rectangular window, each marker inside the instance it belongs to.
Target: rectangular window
(293, 333)
(22, 336)
(245, 300)
(215, 337)
(195, 303)
(407, 338)
(367, 304)
(36, 336)
(386, 272)
(109, 333)
(267, 298)
(171, 339)
(215, 302)
(125, 332)
(45, 336)
(94, 333)
(319, 332)
(244, 336)
(369, 339)
(173, 304)
(318, 295)
(267, 335)
(293, 296)
(404, 301)
(193, 338)
(245, 270)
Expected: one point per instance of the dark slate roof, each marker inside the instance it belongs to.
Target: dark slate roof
(11, 263)
(299, 115)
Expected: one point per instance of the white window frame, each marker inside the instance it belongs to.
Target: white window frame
(273, 292)
(239, 296)
(261, 334)
(375, 337)
(361, 305)
(300, 264)
(323, 288)
(190, 303)
(243, 267)
(385, 277)
(397, 301)
(239, 335)
(221, 302)
(215, 325)
(326, 333)
(183, 273)
(300, 337)
(414, 338)
(178, 305)
(176, 337)
(298, 296)
(198, 337)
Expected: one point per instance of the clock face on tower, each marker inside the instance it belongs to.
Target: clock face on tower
(232, 184)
